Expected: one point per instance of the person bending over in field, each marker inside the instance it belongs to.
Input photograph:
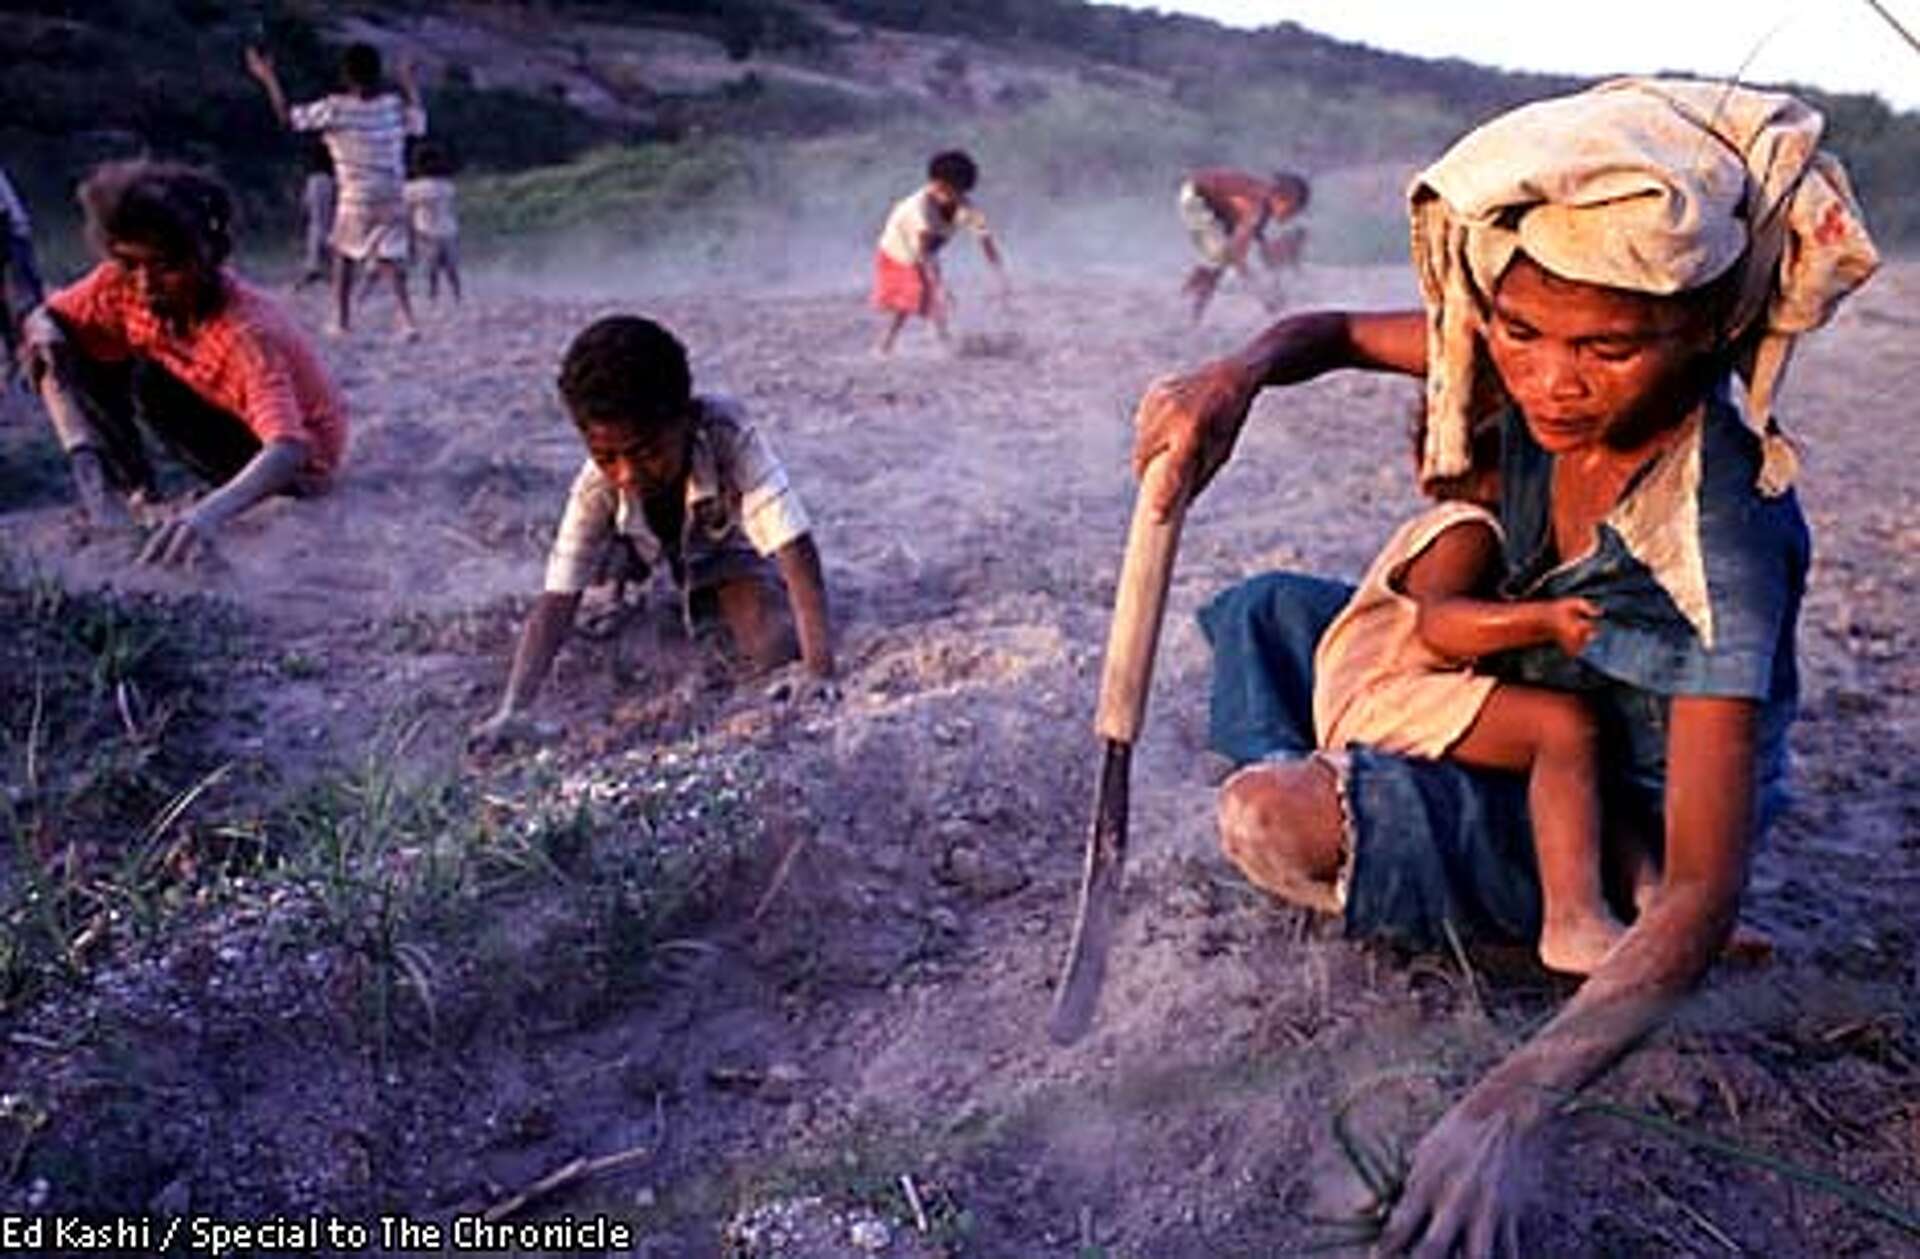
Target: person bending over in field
(365, 130)
(672, 480)
(907, 280)
(1227, 212)
(162, 335)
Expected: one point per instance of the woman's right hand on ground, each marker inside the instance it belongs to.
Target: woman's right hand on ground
(1194, 419)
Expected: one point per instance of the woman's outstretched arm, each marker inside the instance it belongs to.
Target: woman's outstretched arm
(1467, 1185)
(1196, 416)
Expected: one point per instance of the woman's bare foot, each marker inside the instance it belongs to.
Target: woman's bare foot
(1577, 944)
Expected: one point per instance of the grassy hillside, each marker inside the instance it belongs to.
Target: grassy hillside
(713, 125)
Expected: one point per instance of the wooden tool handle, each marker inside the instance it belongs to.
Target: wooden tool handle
(1137, 608)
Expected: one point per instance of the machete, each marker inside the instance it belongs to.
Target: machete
(1138, 605)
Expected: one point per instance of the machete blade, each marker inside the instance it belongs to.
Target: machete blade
(1078, 996)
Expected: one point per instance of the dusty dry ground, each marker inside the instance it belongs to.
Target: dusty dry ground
(856, 993)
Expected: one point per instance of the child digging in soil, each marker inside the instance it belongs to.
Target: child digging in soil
(906, 262)
(1394, 671)
(162, 333)
(678, 479)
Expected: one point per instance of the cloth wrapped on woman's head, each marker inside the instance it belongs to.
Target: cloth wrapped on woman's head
(1649, 185)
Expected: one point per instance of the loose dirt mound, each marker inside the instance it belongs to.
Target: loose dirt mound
(848, 997)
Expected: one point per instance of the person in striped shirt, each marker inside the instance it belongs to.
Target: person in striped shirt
(365, 130)
(162, 336)
(681, 482)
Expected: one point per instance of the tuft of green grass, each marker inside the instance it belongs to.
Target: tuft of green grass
(1865, 1200)
(120, 822)
(101, 781)
(404, 871)
(1382, 1166)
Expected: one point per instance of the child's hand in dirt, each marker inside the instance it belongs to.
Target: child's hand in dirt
(185, 540)
(509, 728)
(1572, 623)
(799, 686)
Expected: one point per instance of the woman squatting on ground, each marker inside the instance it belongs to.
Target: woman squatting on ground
(1636, 297)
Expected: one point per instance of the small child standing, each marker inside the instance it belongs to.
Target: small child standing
(906, 262)
(1394, 671)
(432, 218)
(318, 198)
(672, 480)
(365, 130)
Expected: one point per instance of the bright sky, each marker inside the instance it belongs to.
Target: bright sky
(1840, 45)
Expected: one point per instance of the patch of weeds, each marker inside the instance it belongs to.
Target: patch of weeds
(100, 771)
(298, 666)
(870, 1171)
(1863, 1200)
(673, 829)
(1382, 1166)
(381, 858)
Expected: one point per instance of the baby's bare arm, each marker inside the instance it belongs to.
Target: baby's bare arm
(1447, 581)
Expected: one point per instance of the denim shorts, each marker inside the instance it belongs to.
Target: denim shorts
(1433, 843)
